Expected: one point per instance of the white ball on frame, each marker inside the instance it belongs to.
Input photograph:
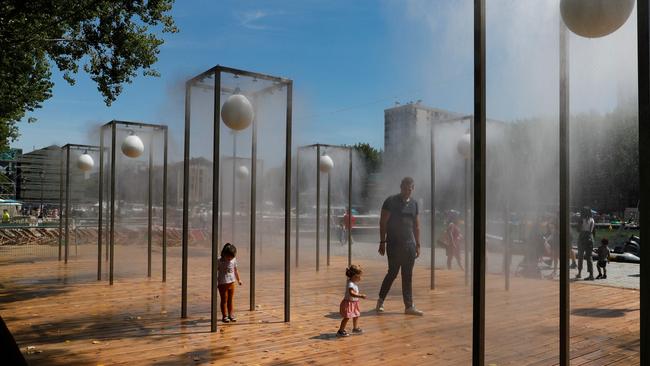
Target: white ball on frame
(326, 164)
(85, 162)
(132, 146)
(242, 172)
(595, 18)
(237, 112)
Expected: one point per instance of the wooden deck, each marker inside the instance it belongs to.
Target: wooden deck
(60, 315)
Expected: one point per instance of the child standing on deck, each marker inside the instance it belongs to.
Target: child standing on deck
(349, 307)
(603, 255)
(227, 273)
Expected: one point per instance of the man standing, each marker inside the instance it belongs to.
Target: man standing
(399, 235)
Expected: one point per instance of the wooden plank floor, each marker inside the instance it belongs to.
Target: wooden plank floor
(60, 315)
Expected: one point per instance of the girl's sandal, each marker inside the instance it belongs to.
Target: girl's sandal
(357, 331)
(342, 333)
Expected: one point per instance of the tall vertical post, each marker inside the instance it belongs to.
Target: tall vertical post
(220, 208)
(565, 240)
(150, 204)
(317, 207)
(466, 202)
(186, 196)
(433, 208)
(216, 144)
(478, 251)
(297, 205)
(107, 228)
(506, 246)
(233, 207)
(164, 207)
(60, 205)
(329, 213)
(350, 205)
(287, 206)
(643, 46)
(101, 204)
(67, 202)
(253, 213)
(112, 205)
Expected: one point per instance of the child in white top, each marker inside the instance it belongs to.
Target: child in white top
(349, 307)
(227, 273)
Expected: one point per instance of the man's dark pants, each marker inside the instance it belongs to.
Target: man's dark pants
(400, 257)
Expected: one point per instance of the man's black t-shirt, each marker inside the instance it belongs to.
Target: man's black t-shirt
(401, 223)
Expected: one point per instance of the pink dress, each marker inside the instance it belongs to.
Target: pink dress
(349, 307)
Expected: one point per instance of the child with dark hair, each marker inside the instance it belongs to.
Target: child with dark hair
(603, 255)
(349, 307)
(227, 274)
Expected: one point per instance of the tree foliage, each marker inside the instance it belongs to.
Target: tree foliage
(370, 156)
(111, 40)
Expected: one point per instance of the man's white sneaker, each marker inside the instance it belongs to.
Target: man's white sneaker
(380, 307)
(413, 311)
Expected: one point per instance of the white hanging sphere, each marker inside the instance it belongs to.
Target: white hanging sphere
(465, 146)
(242, 172)
(85, 162)
(132, 146)
(595, 18)
(326, 164)
(237, 112)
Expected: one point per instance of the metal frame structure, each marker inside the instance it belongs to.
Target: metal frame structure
(643, 48)
(113, 126)
(217, 89)
(65, 149)
(329, 200)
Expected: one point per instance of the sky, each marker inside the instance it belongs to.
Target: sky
(350, 60)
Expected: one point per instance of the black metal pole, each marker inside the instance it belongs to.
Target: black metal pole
(101, 204)
(67, 202)
(186, 190)
(150, 204)
(221, 200)
(350, 205)
(317, 207)
(112, 206)
(467, 237)
(107, 228)
(478, 288)
(297, 205)
(643, 46)
(433, 209)
(287, 207)
(164, 207)
(565, 235)
(253, 213)
(329, 213)
(60, 205)
(233, 208)
(506, 246)
(216, 145)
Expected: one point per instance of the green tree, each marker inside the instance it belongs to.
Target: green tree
(370, 155)
(111, 40)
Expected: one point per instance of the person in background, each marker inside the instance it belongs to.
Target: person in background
(586, 243)
(603, 256)
(348, 223)
(5, 216)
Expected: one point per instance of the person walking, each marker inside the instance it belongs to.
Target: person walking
(586, 243)
(399, 239)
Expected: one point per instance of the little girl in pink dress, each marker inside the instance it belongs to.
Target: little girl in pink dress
(350, 304)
